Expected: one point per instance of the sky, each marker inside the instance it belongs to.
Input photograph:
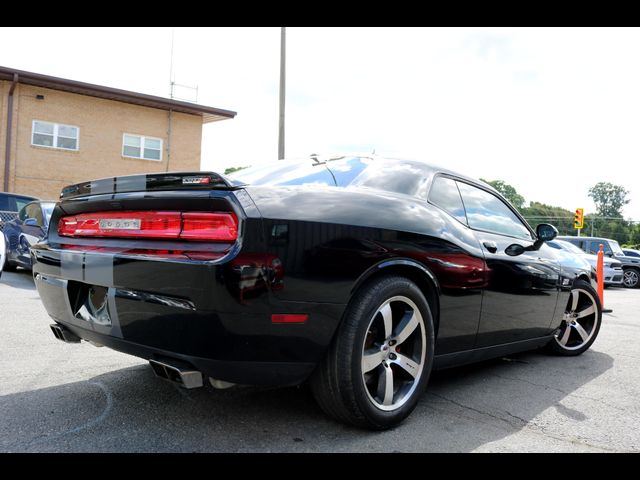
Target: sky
(551, 111)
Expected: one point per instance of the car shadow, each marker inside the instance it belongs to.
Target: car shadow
(130, 410)
(21, 278)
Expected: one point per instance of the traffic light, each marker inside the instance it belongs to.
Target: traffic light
(578, 219)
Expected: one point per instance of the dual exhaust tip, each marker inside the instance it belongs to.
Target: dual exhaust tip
(174, 371)
(182, 375)
(64, 334)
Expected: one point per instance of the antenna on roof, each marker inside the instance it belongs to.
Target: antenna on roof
(185, 92)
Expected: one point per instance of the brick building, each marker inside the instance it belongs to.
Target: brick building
(55, 131)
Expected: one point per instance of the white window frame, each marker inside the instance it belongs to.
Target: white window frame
(55, 135)
(143, 139)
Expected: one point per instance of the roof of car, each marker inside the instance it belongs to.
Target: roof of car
(18, 195)
(565, 237)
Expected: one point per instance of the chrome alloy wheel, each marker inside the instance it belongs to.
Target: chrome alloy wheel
(579, 320)
(630, 278)
(393, 353)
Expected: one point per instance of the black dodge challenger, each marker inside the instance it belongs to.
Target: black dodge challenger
(358, 274)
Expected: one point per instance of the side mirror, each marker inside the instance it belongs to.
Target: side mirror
(546, 232)
(31, 222)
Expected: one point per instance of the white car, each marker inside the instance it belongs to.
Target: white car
(3, 250)
(613, 273)
(631, 252)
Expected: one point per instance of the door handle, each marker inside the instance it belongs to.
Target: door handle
(491, 246)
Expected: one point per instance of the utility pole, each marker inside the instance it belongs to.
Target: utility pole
(283, 46)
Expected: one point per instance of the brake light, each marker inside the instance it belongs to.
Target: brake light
(197, 226)
(205, 226)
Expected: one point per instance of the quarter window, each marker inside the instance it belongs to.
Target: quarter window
(444, 193)
(138, 146)
(55, 135)
(487, 212)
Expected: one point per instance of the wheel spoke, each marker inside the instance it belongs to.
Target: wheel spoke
(407, 365)
(565, 336)
(574, 300)
(386, 318)
(371, 359)
(385, 385)
(586, 311)
(406, 327)
(581, 331)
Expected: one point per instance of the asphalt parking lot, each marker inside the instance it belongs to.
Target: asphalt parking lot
(56, 397)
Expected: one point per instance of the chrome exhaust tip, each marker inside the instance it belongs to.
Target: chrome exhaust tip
(64, 334)
(183, 376)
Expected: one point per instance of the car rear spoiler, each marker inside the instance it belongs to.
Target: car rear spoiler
(151, 182)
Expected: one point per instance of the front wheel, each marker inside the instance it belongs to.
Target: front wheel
(581, 321)
(380, 361)
(631, 278)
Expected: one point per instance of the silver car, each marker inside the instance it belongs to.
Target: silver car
(613, 273)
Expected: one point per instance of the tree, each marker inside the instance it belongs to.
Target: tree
(507, 192)
(609, 199)
(233, 169)
(559, 217)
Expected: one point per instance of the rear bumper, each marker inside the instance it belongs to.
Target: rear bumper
(249, 373)
(205, 313)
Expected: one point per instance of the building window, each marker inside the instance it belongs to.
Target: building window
(55, 135)
(137, 146)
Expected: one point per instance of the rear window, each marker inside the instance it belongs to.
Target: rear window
(340, 173)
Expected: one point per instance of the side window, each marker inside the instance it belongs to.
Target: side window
(20, 203)
(22, 214)
(487, 212)
(576, 242)
(32, 210)
(594, 247)
(444, 193)
(36, 212)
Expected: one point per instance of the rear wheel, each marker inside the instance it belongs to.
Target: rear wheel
(581, 321)
(379, 363)
(631, 278)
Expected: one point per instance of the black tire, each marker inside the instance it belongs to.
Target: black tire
(341, 385)
(631, 278)
(574, 343)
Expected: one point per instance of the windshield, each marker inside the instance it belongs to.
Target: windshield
(615, 247)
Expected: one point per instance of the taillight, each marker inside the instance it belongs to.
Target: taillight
(198, 226)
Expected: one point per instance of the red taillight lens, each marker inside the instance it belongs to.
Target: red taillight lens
(206, 226)
(203, 226)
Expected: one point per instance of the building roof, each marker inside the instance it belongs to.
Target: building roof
(208, 114)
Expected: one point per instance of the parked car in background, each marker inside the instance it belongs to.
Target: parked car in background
(21, 233)
(612, 249)
(613, 273)
(2, 253)
(630, 252)
(10, 205)
(358, 274)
